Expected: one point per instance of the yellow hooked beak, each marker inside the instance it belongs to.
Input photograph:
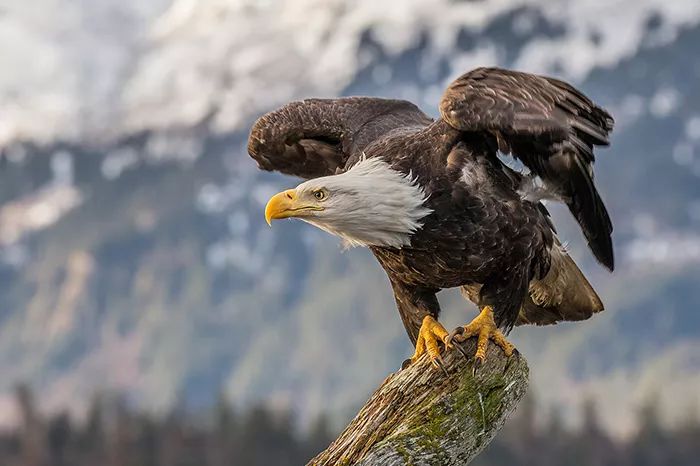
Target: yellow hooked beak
(284, 205)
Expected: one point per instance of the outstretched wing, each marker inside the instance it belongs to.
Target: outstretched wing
(547, 124)
(317, 137)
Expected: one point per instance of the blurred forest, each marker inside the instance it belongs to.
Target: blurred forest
(115, 435)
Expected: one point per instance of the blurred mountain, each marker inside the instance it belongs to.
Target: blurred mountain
(133, 250)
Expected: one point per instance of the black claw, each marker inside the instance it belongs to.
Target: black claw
(515, 352)
(462, 350)
(406, 364)
(478, 362)
(437, 362)
(455, 332)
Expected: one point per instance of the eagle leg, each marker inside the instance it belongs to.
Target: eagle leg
(484, 327)
(431, 332)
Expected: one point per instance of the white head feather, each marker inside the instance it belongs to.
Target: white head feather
(371, 204)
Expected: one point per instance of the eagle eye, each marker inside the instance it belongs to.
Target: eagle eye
(319, 194)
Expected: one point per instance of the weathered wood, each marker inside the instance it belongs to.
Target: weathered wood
(420, 416)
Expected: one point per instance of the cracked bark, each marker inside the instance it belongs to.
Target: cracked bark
(419, 416)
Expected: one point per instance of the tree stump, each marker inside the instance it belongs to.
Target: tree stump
(420, 416)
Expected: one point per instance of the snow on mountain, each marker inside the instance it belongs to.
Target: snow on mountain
(96, 70)
(669, 248)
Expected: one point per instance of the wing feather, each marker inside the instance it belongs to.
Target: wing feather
(317, 137)
(547, 124)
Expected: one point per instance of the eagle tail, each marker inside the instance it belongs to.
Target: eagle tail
(564, 294)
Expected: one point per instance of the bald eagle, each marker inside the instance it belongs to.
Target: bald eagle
(440, 209)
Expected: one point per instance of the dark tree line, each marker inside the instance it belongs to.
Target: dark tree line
(114, 435)
(525, 442)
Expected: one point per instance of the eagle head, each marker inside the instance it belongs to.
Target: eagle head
(371, 204)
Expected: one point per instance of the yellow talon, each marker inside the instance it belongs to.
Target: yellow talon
(431, 331)
(484, 327)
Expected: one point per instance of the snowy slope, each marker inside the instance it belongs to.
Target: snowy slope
(95, 70)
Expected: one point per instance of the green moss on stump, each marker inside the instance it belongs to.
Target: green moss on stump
(481, 399)
(420, 416)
